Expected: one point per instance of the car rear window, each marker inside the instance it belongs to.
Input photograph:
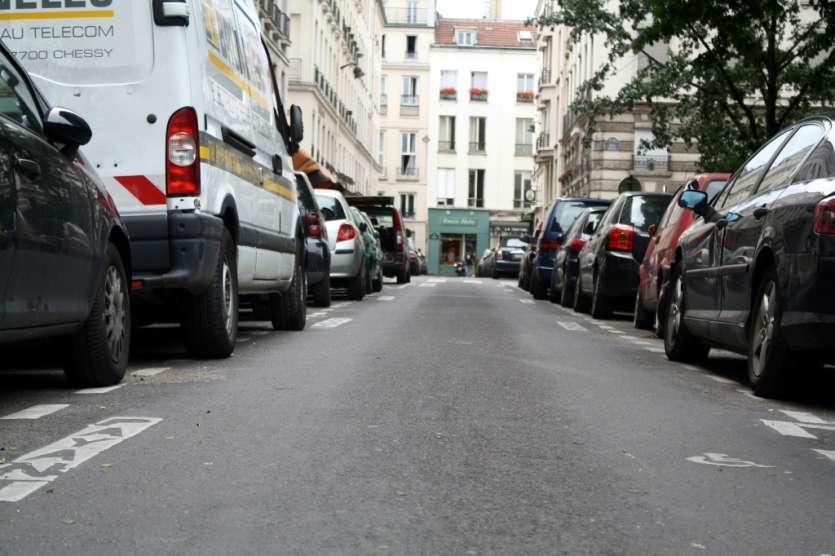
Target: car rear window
(381, 217)
(567, 213)
(331, 208)
(644, 211)
(513, 243)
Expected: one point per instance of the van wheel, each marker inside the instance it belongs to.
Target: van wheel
(210, 320)
(288, 310)
(600, 303)
(582, 303)
(322, 292)
(641, 318)
(377, 283)
(356, 287)
(679, 343)
(98, 353)
(768, 354)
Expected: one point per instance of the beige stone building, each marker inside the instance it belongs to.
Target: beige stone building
(275, 22)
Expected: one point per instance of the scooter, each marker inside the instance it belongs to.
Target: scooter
(460, 269)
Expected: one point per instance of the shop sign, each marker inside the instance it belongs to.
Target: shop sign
(458, 221)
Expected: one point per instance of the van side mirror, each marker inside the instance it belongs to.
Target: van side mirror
(67, 128)
(296, 125)
(693, 200)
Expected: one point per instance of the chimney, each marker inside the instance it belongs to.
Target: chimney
(495, 9)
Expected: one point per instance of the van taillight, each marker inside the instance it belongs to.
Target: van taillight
(182, 161)
(346, 232)
(825, 216)
(621, 238)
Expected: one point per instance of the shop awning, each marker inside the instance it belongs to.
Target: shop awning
(318, 175)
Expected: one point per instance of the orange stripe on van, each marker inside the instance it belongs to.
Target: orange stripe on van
(79, 14)
(142, 188)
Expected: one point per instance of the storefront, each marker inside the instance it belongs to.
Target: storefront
(452, 234)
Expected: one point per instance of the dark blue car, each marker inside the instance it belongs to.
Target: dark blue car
(561, 216)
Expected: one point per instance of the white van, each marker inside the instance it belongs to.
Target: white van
(192, 140)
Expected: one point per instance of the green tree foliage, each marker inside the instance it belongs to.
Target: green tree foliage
(722, 75)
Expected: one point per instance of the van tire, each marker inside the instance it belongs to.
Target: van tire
(322, 292)
(210, 320)
(356, 287)
(288, 310)
(98, 353)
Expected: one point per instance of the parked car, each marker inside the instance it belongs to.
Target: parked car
(65, 262)
(348, 268)
(561, 215)
(662, 248)
(507, 258)
(212, 216)
(754, 273)
(414, 260)
(373, 251)
(424, 267)
(317, 260)
(485, 263)
(564, 276)
(389, 224)
(608, 262)
(526, 263)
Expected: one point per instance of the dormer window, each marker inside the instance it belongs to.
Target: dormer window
(525, 37)
(465, 37)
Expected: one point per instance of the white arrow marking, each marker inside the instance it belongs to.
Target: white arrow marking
(804, 417)
(827, 453)
(712, 458)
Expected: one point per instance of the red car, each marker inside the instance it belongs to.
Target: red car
(662, 249)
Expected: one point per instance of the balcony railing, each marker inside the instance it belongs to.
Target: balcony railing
(446, 146)
(409, 172)
(524, 96)
(543, 141)
(545, 78)
(407, 16)
(408, 100)
(449, 93)
(524, 149)
(275, 19)
(651, 164)
(478, 95)
(478, 147)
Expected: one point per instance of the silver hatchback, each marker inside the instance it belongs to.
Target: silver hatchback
(345, 243)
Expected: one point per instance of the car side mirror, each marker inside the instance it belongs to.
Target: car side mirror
(296, 125)
(693, 200)
(67, 128)
(652, 230)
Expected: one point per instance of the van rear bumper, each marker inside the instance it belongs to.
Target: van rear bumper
(176, 252)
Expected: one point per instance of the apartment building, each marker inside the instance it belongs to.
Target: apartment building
(616, 160)
(334, 75)
(481, 135)
(404, 109)
(275, 23)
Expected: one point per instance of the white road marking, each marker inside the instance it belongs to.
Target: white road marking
(259, 332)
(527, 301)
(317, 314)
(36, 469)
(152, 371)
(630, 338)
(613, 331)
(437, 280)
(723, 380)
(639, 342)
(826, 453)
(242, 339)
(787, 428)
(331, 323)
(723, 460)
(340, 305)
(572, 326)
(102, 390)
(655, 350)
(36, 411)
(386, 298)
(804, 417)
(428, 285)
(471, 281)
(692, 368)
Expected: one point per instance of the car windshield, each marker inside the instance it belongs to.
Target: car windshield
(642, 211)
(567, 213)
(714, 188)
(513, 243)
(331, 207)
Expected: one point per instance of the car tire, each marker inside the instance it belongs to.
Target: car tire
(769, 358)
(601, 306)
(566, 295)
(521, 280)
(98, 353)
(356, 287)
(495, 275)
(582, 303)
(403, 276)
(641, 318)
(554, 294)
(210, 320)
(322, 293)
(679, 343)
(288, 310)
(368, 287)
(377, 283)
(538, 289)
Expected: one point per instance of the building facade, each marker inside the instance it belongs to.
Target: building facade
(404, 110)
(334, 75)
(275, 23)
(481, 127)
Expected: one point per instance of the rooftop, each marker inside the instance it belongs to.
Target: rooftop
(495, 33)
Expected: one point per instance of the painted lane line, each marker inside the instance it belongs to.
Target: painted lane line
(692, 368)
(613, 331)
(787, 428)
(316, 315)
(655, 350)
(339, 305)
(527, 301)
(723, 380)
(437, 280)
(428, 285)
(259, 332)
(471, 281)
(386, 298)
(242, 339)
(630, 338)
(605, 326)
(36, 411)
(102, 390)
(331, 323)
(34, 470)
(152, 371)
(642, 343)
(572, 326)
(827, 453)
(804, 417)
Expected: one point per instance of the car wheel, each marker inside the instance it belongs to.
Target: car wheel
(521, 279)
(554, 293)
(377, 283)
(356, 287)
(582, 304)
(98, 352)
(368, 287)
(679, 343)
(210, 320)
(600, 303)
(538, 289)
(495, 274)
(288, 310)
(403, 276)
(641, 318)
(768, 354)
(566, 294)
(322, 292)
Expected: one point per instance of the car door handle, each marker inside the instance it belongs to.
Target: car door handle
(759, 212)
(28, 167)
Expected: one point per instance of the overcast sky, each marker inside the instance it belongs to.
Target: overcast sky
(511, 9)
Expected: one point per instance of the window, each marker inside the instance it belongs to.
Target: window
(478, 135)
(331, 208)
(407, 205)
(820, 164)
(411, 46)
(381, 155)
(643, 211)
(410, 87)
(525, 36)
(524, 137)
(465, 37)
(522, 184)
(16, 101)
(790, 157)
(412, 12)
(524, 82)
(745, 181)
(446, 143)
(383, 47)
(408, 154)
(478, 88)
(476, 192)
(446, 187)
(449, 84)
(384, 99)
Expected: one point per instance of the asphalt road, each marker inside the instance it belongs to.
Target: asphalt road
(446, 417)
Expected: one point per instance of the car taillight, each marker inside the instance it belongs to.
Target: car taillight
(314, 229)
(499, 255)
(549, 245)
(346, 232)
(182, 160)
(621, 238)
(577, 244)
(825, 216)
